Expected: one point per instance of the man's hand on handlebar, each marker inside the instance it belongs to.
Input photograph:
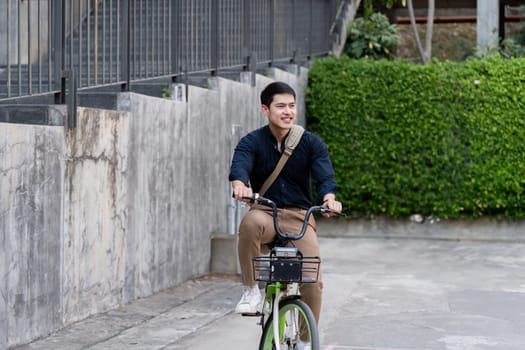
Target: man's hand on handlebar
(335, 206)
(241, 191)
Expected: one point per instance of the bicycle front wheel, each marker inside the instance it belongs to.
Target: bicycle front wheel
(296, 324)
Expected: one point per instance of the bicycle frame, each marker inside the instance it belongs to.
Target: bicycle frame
(282, 271)
(274, 295)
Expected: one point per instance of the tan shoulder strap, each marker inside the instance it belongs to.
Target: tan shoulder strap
(296, 132)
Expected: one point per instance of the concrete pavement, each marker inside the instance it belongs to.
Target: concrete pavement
(150, 323)
(379, 294)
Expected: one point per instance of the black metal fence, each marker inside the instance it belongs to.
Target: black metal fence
(47, 44)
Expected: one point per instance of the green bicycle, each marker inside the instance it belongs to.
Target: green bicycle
(287, 322)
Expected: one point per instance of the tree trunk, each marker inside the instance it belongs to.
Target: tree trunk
(426, 53)
(430, 25)
(410, 6)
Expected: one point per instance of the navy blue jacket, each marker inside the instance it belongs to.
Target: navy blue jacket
(256, 156)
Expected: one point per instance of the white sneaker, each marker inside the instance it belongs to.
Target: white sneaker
(250, 302)
(301, 345)
(266, 307)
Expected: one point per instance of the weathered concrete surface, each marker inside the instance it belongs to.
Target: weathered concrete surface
(154, 248)
(31, 186)
(94, 213)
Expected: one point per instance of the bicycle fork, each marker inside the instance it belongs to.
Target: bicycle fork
(278, 324)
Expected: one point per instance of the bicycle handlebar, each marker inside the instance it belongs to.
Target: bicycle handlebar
(256, 199)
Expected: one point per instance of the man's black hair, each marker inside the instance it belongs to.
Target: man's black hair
(275, 88)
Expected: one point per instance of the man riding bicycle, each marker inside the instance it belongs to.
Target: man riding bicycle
(254, 159)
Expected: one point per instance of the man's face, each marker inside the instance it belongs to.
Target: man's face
(281, 113)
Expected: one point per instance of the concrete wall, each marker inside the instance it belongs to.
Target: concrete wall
(95, 212)
(119, 208)
(31, 222)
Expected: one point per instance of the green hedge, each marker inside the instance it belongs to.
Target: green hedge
(444, 139)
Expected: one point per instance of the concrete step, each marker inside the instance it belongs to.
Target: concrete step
(224, 256)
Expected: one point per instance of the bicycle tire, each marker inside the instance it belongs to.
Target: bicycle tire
(291, 310)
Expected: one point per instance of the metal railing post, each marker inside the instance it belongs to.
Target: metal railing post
(501, 20)
(310, 29)
(175, 10)
(253, 67)
(8, 44)
(58, 41)
(95, 42)
(214, 38)
(295, 47)
(271, 36)
(29, 65)
(72, 88)
(125, 52)
(19, 47)
(251, 59)
(247, 45)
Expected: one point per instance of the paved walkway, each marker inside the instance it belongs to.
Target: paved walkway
(380, 294)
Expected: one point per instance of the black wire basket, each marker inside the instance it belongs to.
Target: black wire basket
(286, 269)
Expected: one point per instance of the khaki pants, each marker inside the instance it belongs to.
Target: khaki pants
(256, 229)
